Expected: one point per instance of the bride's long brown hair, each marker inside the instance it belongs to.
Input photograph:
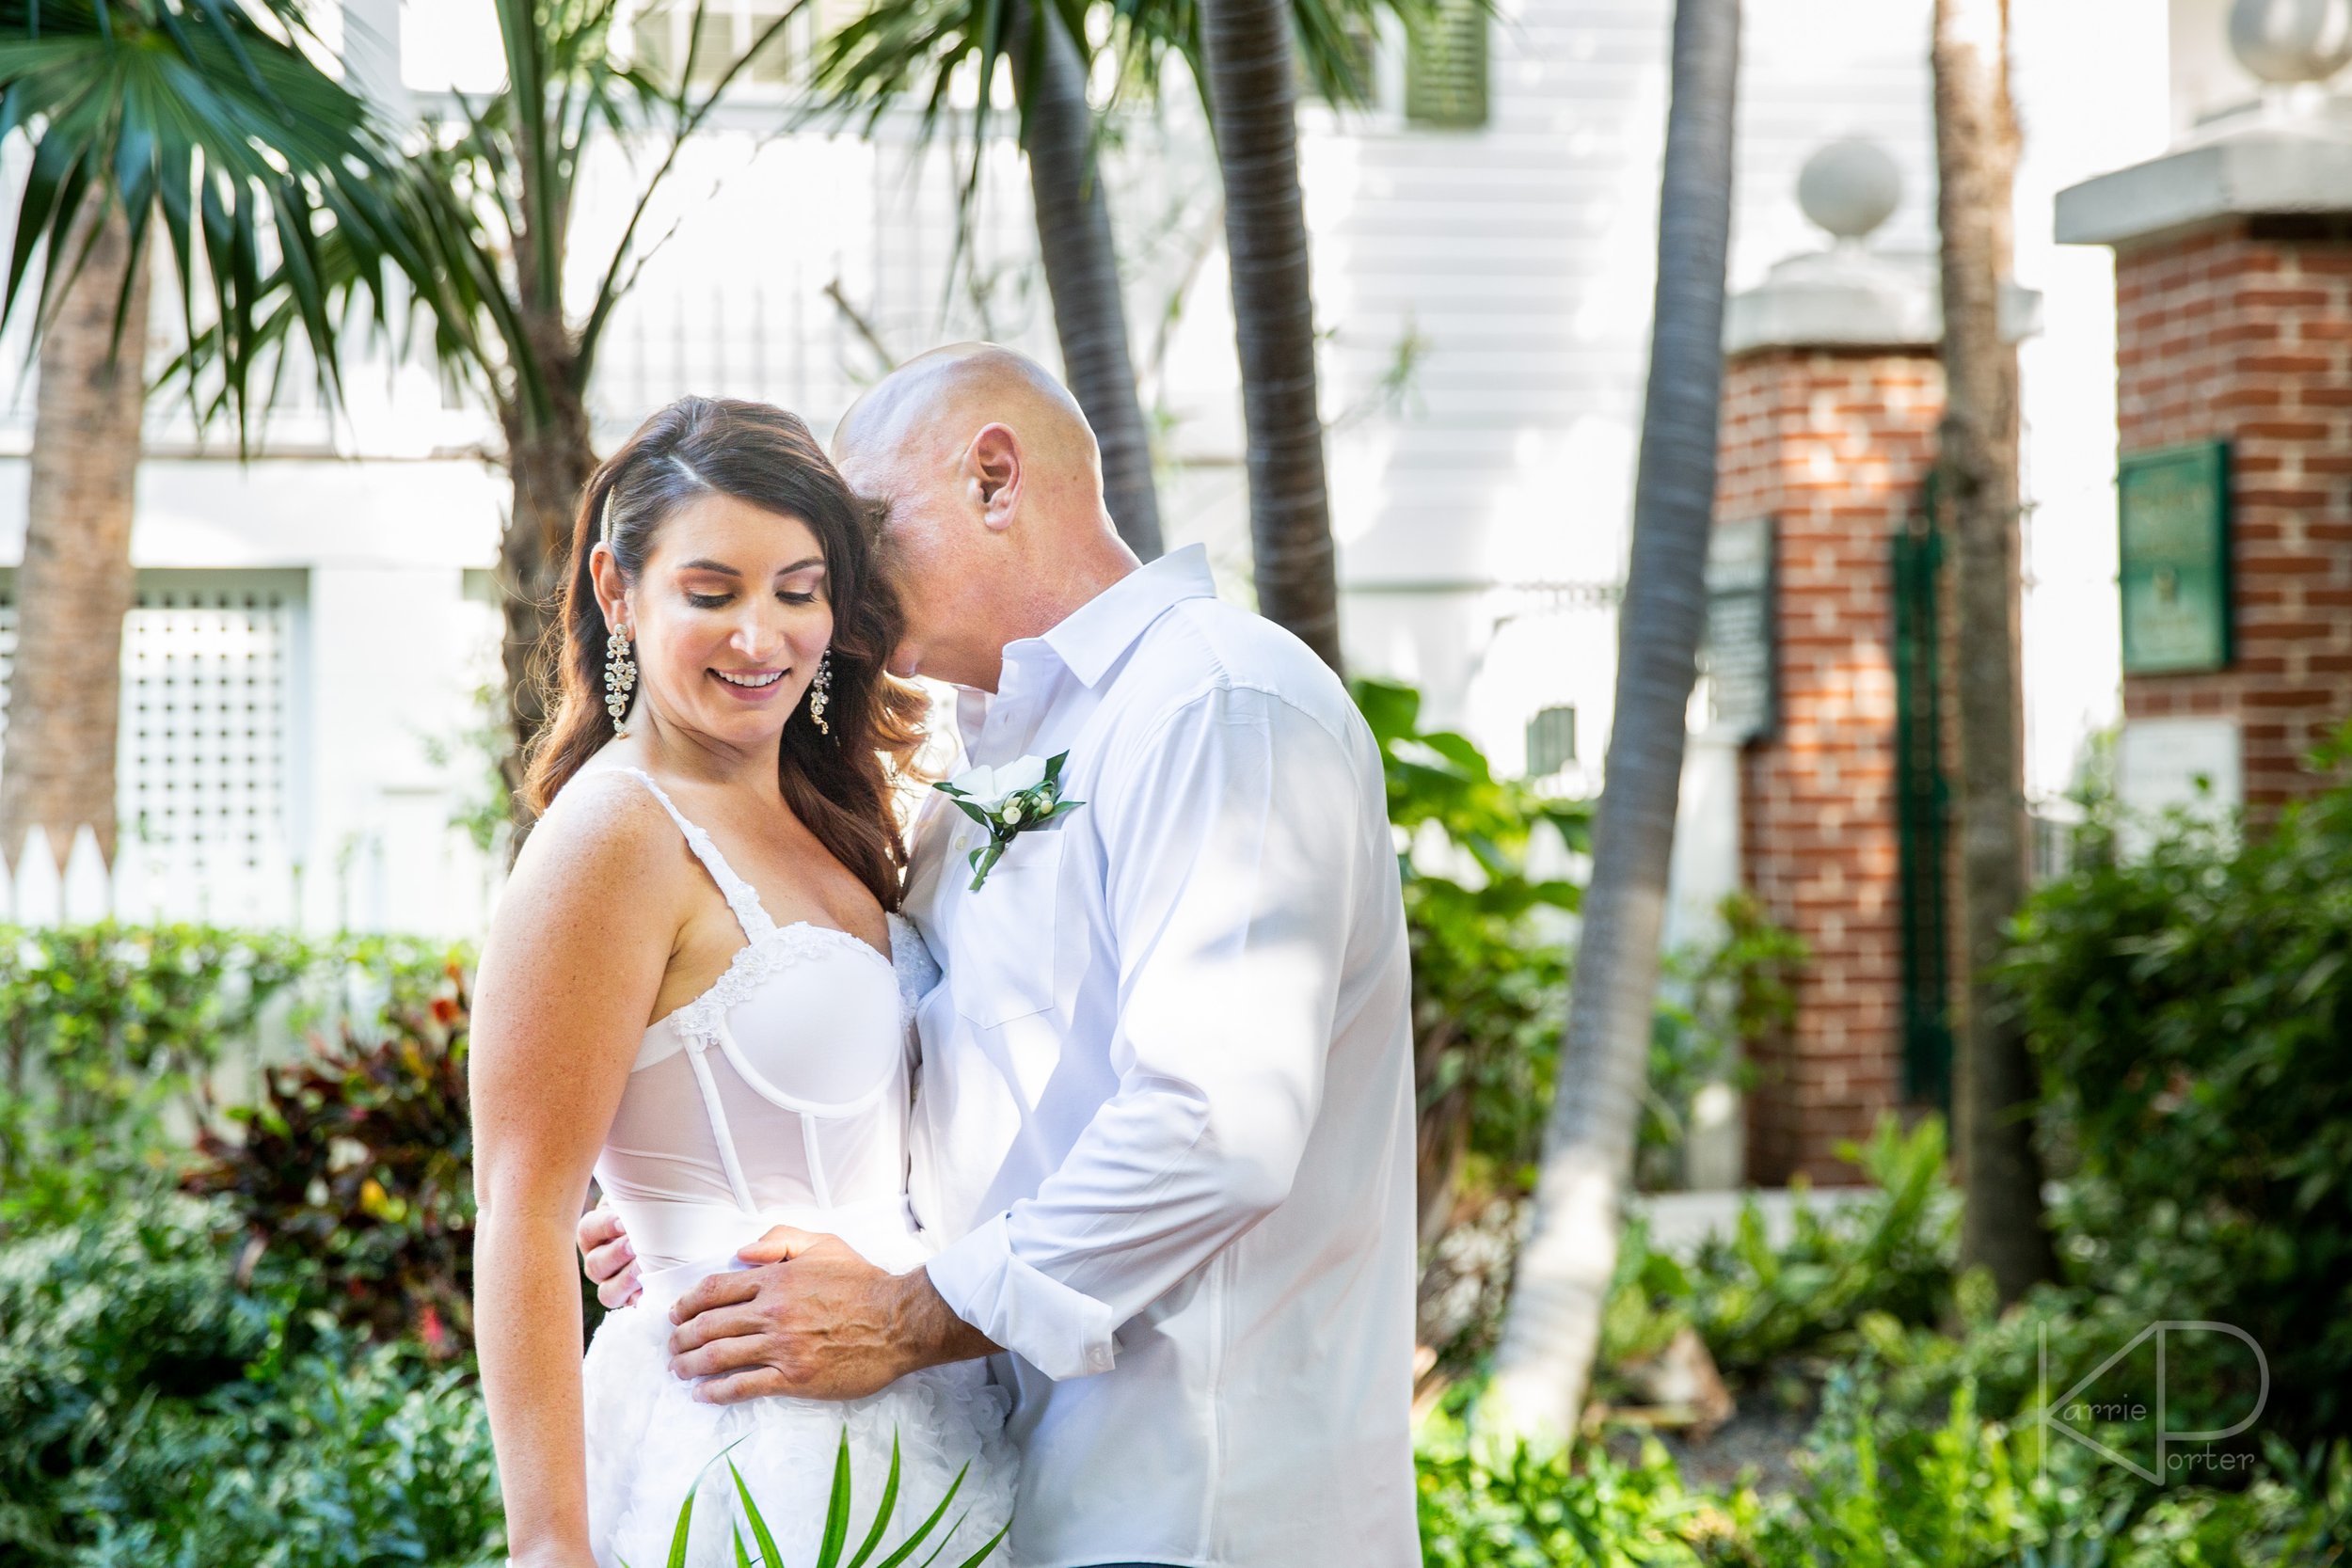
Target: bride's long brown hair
(839, 784)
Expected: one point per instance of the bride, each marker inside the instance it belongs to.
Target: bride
(697, 987)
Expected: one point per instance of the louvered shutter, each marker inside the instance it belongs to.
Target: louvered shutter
(1445, 67)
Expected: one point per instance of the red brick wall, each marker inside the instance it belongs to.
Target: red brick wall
(1835, 446)
(2245, 333)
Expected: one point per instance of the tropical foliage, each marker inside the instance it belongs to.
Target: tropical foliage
(212, 117)
(358, 1161)
(2190, 1004)
(1489, 974)
(215, 117)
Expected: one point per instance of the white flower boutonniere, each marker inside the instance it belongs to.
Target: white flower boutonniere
(1023, 796)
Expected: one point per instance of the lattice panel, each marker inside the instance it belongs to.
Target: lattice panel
(202, 763)
(203, 760)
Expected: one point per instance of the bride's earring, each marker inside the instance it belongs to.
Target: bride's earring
(821, 693)
(620, 678)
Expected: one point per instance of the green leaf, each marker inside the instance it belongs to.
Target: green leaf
(906, 1547)
(677, 1536)
(883, 1510)
(977, 1558)
(837, 1508)
(769, 1554)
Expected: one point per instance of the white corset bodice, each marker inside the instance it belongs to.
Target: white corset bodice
(778, 1096)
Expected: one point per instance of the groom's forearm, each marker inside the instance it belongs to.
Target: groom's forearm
(928, 1328)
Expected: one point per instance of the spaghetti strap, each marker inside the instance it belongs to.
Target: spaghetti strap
(741, 898)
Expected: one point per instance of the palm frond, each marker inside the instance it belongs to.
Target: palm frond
(209, 113)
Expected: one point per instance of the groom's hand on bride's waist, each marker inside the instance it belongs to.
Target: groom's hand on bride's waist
(813, 1320)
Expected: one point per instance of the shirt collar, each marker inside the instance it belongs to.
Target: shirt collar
(1094, 637)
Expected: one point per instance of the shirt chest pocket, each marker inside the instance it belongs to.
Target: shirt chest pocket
(1007, 945)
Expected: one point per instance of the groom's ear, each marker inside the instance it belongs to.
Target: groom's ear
(993, 467)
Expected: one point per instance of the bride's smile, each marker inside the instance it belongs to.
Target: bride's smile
(730, 617)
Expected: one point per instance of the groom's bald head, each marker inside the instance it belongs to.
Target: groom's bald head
(993, 486)
(946, 395)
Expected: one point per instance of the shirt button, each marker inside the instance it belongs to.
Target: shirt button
(1098, 1359)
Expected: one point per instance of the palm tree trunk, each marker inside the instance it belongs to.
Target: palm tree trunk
(1253, 94)
(1552, 1330)
(76, 582)
(548, 460)
(1073, 232)
(1975, 154)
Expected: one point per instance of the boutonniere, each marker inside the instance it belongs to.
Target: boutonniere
(1023, 796)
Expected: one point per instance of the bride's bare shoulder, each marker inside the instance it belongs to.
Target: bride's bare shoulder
(604, 830)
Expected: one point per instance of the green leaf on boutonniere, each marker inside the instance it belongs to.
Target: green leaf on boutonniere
(1007, 814)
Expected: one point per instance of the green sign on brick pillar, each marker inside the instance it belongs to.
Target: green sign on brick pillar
(2172, 509)
(1923, 805)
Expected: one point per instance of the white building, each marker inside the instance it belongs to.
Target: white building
(316, 621)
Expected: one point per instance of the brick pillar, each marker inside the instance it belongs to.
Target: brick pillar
(2243, 332)
(2233, 322)
(1834, 444)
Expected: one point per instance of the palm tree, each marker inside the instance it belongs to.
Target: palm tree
(488, 201)
(1552, 1330)
(209, 113)
(896, 51)
(881, 56)
(1074, 236)
(1975, 156)
(1253, 99)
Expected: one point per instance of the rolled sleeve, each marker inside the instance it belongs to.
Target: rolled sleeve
(1062, 1332)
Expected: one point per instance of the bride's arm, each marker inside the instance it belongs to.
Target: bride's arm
(569, 978)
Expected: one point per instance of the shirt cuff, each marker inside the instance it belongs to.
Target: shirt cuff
(1062, 1332)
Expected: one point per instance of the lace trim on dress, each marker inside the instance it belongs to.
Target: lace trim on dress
(741, 900)
(697, 1022)
(917, 971)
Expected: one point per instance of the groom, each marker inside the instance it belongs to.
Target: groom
(1164, 1124)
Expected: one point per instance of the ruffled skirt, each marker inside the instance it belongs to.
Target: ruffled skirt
(650, 1443)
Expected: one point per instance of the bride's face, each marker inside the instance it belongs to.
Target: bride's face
(729, 619)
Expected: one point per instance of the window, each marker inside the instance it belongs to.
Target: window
(1445, 67)
(664, 29)
(202, 760)
(1550, 741)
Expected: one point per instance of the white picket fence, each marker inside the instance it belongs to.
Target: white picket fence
(148, 883)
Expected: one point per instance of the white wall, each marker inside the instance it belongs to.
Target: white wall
(1478, 503)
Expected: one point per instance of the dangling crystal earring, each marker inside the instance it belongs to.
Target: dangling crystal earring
(821, 693)
(620, 676)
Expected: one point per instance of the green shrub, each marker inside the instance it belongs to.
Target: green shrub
(356, 1164)
(1889, 1256)
(1532, 1506)
(1710, 1002)
(331, 1463)
(98, 1326)
(1880, 1489)
(108, 1034)
(1963, 1493)
(154, 1410)
(1489, 982)
(2191, 1006)
(104, 1029)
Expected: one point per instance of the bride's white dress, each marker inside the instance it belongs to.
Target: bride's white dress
(778, 1096)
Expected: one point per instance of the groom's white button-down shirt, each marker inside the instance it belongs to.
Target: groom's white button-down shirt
(1164, 1121)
